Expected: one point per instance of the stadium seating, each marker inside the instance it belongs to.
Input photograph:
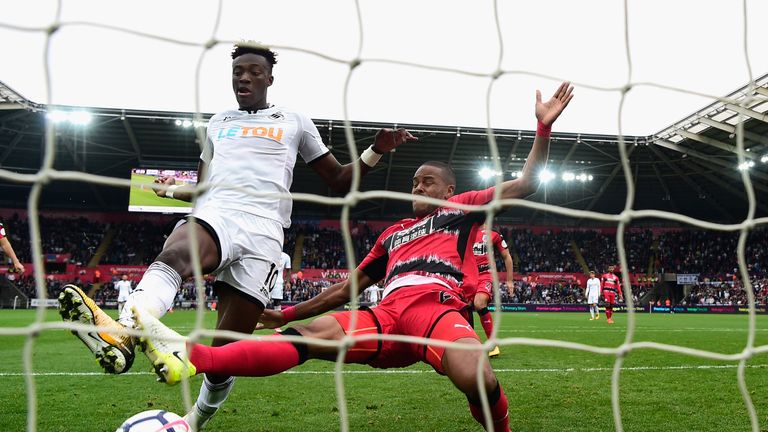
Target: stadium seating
(710, 254)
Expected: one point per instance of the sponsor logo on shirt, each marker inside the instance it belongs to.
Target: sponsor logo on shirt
(407, 235)
(256, 132)
(479, 248)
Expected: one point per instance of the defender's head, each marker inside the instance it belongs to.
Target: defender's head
(252, 74)
(611, 268)
(591, 273)
(435, 180)
(125, 277)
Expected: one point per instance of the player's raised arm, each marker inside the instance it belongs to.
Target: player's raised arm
(546, 114)
(333, 297)
(339, 177)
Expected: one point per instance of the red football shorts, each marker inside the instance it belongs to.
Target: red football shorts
(484, 287)
(430, 311)
(610, 297)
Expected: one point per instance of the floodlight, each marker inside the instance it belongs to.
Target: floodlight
(57, 116)
(80, 118)
(486, 173)
(545, 176)
(746, 165)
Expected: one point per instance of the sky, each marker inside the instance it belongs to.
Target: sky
(693, 45)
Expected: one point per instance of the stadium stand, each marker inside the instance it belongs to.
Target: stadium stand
(318, 245)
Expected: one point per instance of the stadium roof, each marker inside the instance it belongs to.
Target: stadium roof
(689, 167)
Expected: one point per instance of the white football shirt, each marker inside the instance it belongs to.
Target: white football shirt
(256, 153)
(123, 289)
(593, 287)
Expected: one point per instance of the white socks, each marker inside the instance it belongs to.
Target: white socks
(154, 293)
(212, 396)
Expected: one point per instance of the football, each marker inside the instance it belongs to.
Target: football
(155, 421)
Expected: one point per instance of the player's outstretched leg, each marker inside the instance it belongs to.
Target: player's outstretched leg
(113, 349)
(461, 368)
(165, 349)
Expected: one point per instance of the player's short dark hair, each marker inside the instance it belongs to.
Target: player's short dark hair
(251, 47)
(449, 175)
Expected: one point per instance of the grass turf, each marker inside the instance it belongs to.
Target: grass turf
(548, 388)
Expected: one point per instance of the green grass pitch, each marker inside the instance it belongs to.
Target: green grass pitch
(140, 196)
(548, 388)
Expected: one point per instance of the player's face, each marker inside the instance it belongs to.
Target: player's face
(430, 182)
(610, 269)
(251, 76)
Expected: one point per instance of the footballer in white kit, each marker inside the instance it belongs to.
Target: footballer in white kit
(123, 287)
(593, 295)
(249, 152)
(259, 150)
(280, 280)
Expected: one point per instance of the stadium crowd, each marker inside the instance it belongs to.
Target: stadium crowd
(726, 293)
(710, 254)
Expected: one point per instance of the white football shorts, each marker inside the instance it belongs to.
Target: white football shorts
(250, 250)
(593, 298)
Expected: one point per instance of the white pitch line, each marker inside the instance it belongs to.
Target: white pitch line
(419, 371)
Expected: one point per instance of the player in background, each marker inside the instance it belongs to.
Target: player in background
(480, 298)
(281, 280)
(18, 267)
(423, 263)
(611, 289)
(249, 150)
(592, 292)
(372, 295)
(123, 291)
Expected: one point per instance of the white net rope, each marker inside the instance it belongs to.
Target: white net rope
(47, 174)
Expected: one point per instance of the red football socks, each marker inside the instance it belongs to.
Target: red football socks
(487, 321)
(499, 412)
(245, 358)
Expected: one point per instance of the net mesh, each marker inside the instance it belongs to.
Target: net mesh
(48, 173)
